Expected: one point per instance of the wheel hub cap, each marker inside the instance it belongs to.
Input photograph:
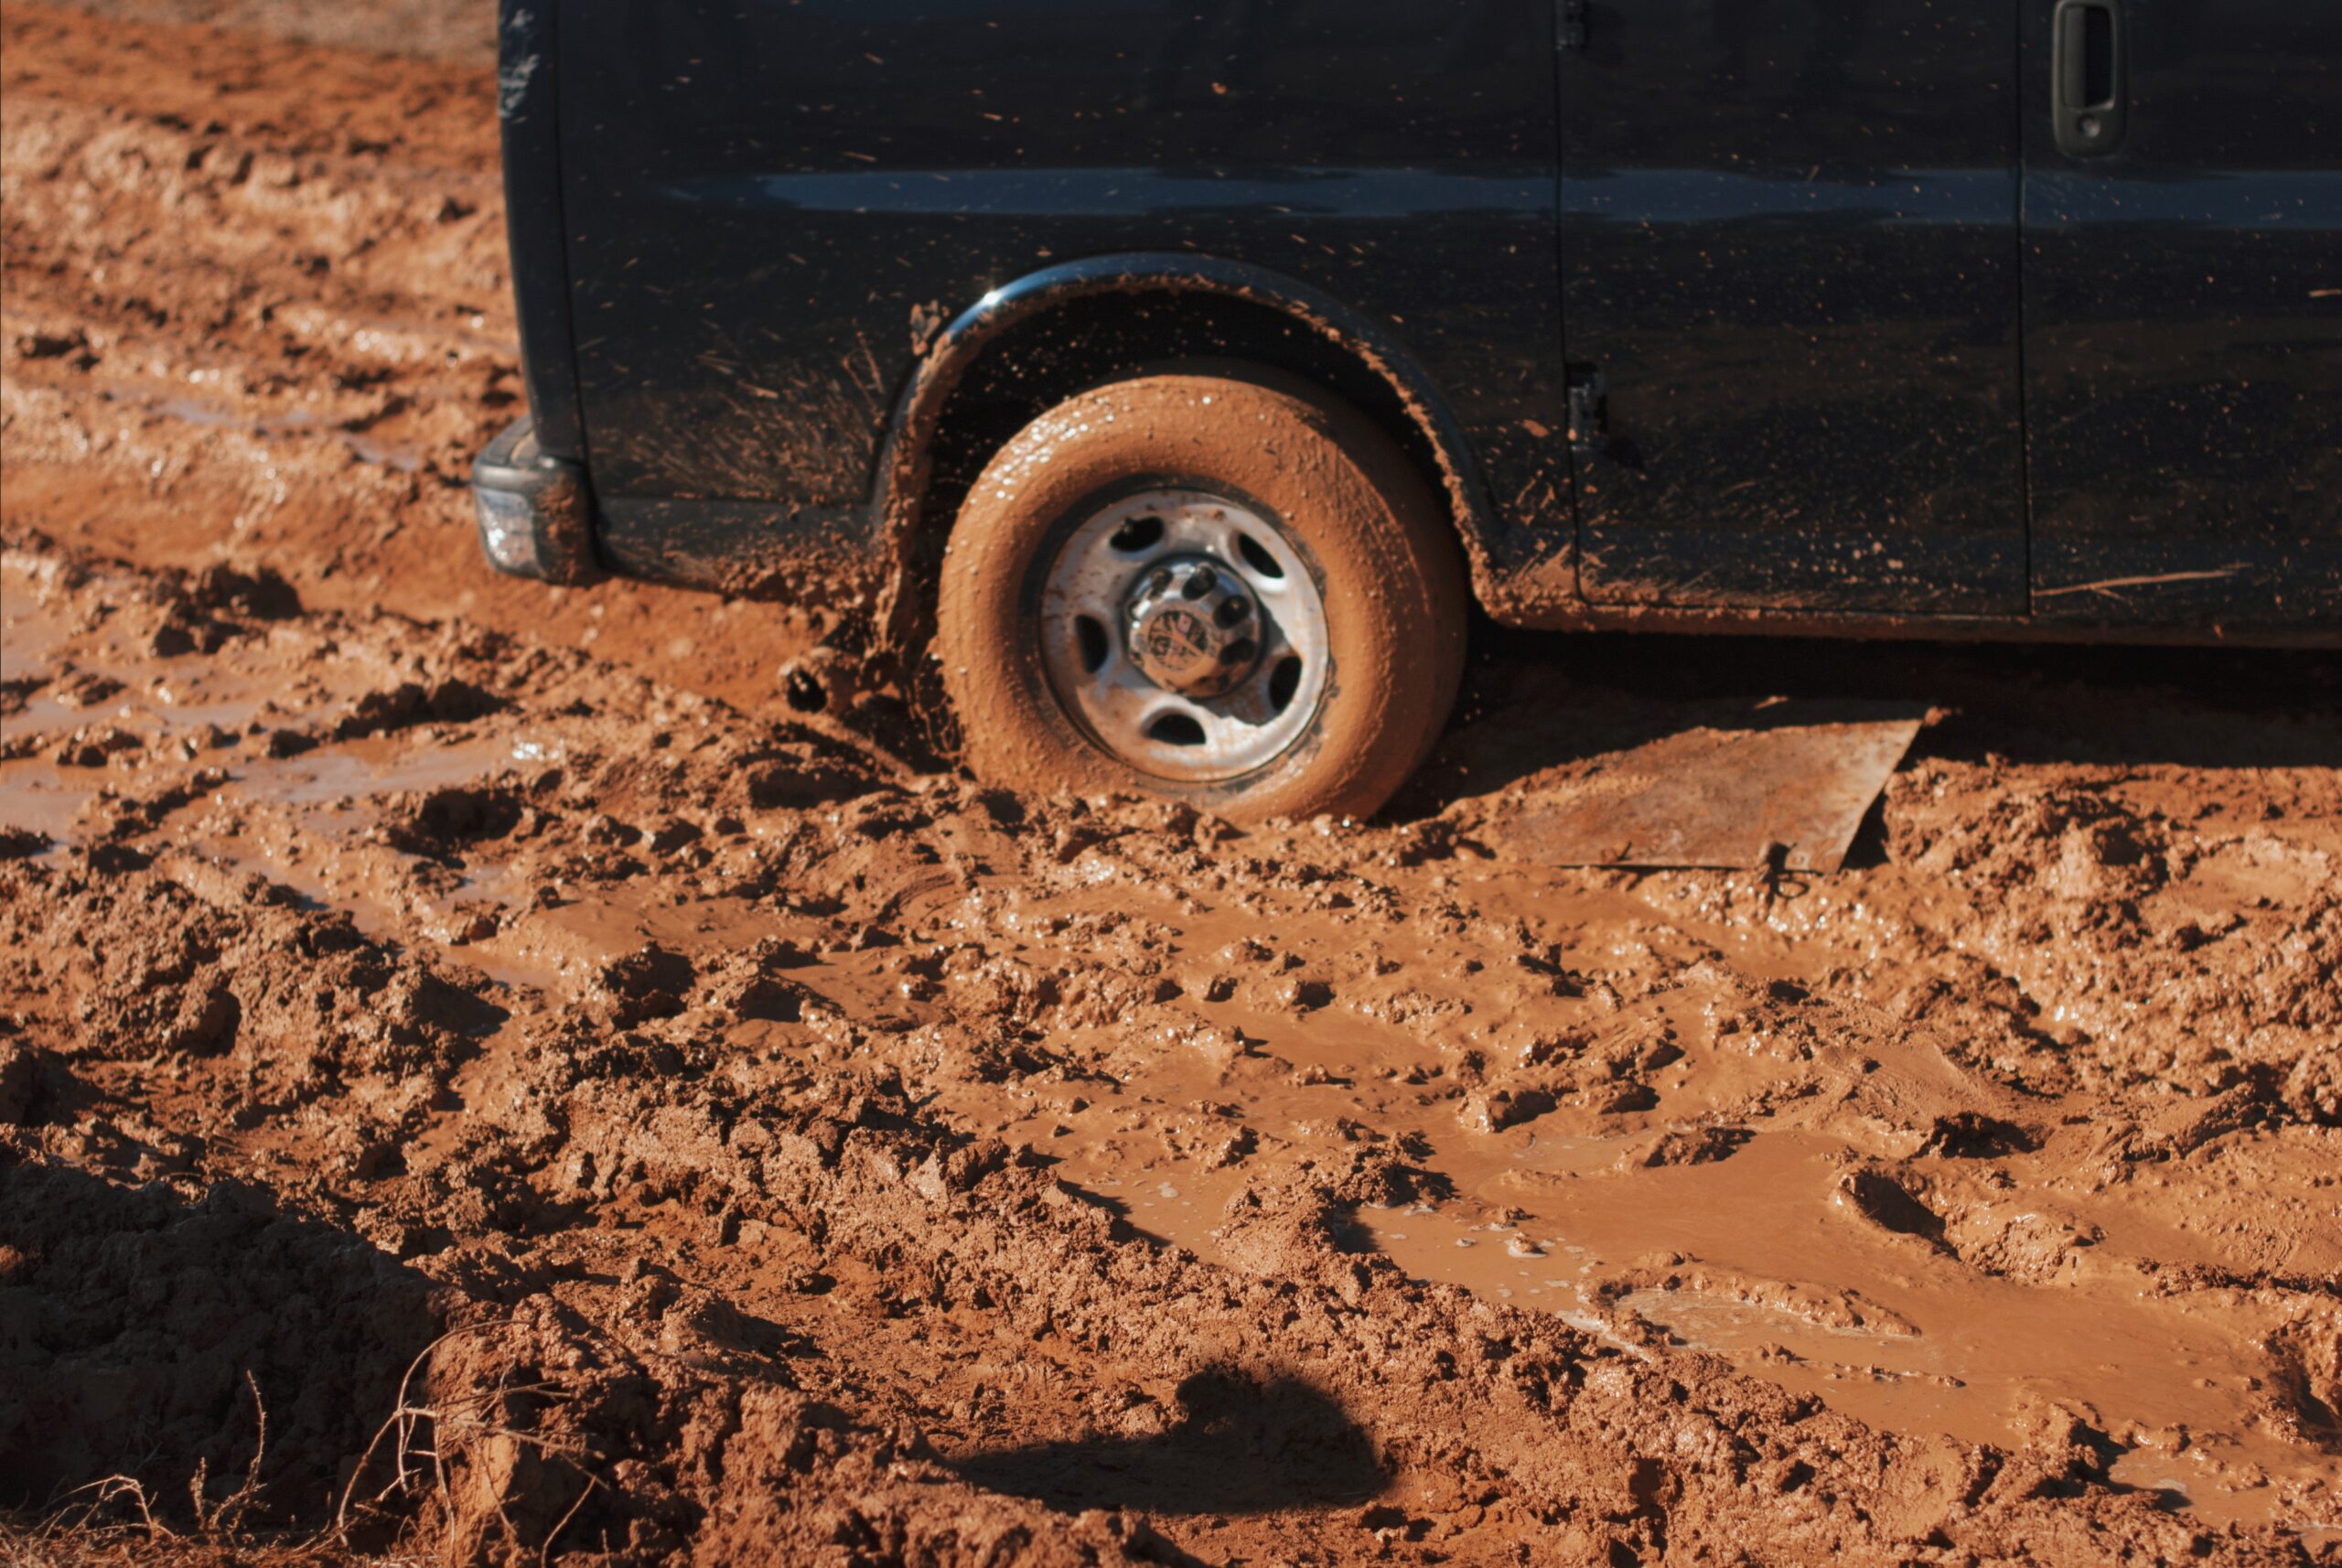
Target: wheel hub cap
(1189, 627)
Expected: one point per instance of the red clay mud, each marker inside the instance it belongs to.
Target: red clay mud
(480, 1081)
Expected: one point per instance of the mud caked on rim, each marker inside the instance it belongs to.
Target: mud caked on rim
(1184, 632)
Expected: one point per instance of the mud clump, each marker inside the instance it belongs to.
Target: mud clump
(1690, 1146)
(649, 983)
(261, 593)
(2313, 1090)
(19, 844)
(1969, 1134)
(412, 702)
(443, 820)
(2309, 1383)
(534, 1418)
(1887, 1204)
(27, 1076)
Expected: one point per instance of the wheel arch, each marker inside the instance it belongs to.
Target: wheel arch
(1030, 343)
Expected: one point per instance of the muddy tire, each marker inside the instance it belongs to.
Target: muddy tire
(1235, 592)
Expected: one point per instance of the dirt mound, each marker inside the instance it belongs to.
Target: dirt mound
(151, 969)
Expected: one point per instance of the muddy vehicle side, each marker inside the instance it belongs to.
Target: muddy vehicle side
(1858, 317)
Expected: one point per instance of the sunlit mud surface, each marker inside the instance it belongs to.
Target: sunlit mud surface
(425, 993)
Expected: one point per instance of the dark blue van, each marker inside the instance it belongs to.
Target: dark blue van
(1176, 375)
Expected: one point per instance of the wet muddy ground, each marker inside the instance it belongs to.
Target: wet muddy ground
(479, 1078)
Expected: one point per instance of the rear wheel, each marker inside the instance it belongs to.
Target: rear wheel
(1232, 591)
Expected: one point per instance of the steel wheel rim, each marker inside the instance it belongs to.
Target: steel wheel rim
(1100, 575)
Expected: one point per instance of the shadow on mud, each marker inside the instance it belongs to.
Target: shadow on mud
(1231, 1447)
(141, 1334)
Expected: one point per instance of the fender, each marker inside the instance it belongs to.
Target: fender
(900, 483)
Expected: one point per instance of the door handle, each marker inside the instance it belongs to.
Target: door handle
(2088, 97)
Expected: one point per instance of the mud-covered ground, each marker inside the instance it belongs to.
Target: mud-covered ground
(479, 1078)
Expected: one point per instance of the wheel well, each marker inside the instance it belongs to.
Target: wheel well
(1035, 363)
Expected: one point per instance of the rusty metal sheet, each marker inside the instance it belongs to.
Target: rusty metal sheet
(1782, 782)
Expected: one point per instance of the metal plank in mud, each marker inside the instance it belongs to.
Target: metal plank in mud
(1784, 782)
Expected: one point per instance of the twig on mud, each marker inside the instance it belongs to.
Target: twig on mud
(544, 1552)
(403, 1417)
(504, 1389)
(108, 1488)
(211, 1520)
(228, 1512)
(456, 1421)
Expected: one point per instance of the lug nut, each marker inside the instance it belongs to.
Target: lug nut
(1202, 583)
(1231, 611)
